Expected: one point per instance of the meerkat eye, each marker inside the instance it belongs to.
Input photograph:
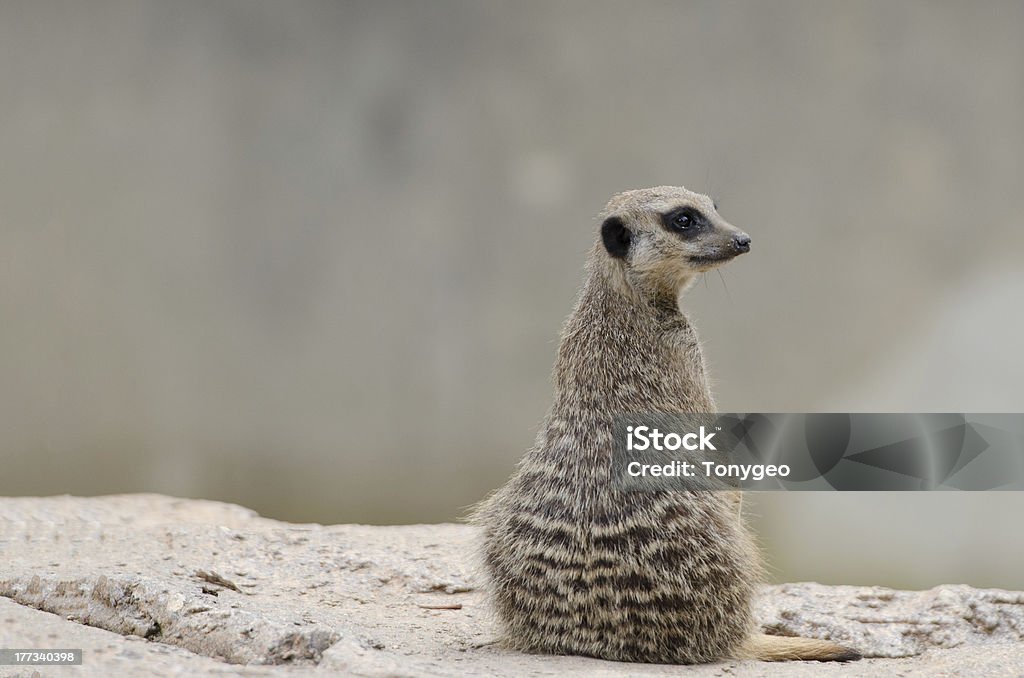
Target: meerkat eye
(681, 221)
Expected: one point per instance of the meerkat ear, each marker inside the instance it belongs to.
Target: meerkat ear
(616, 237)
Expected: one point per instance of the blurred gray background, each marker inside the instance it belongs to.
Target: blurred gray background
(312, 257)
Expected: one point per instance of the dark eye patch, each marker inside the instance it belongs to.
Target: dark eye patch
(687, 222)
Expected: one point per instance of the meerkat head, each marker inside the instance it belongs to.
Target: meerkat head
(660, 238)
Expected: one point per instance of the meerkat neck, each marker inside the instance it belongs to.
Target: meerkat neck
(661, 300)
(661, 295)
(618, 354)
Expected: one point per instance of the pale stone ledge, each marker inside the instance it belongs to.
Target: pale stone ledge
(152, 585)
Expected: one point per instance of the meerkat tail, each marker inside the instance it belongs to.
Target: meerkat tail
(785, 648)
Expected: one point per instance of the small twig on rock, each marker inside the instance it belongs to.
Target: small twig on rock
(486, 643)
(214, 578)
(449, 606)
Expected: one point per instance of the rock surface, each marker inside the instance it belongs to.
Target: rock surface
(151, 585)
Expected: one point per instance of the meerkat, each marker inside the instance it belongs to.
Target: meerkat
(575, 564)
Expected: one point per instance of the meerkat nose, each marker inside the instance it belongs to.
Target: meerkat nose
(741, 243)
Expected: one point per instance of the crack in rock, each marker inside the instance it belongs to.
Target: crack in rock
(135, 606)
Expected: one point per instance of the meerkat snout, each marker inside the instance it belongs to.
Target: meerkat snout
(741, 243)
(707, 239)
